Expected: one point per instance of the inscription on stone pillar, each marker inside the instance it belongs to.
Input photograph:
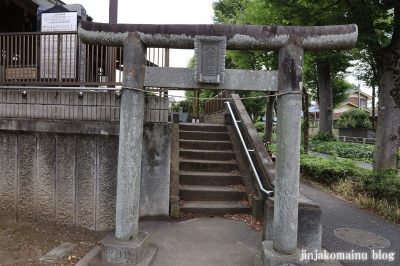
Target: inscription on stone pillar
(118, 256)
(209, 59)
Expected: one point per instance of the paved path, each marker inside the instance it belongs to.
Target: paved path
(203, 241)
(360, 164)
(338, 213)
(221, 242)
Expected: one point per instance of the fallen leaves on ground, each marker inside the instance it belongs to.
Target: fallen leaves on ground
(184, 216)
(73, 258)
(255, 224)
(238, 186)
(245, 203)
(236, 171)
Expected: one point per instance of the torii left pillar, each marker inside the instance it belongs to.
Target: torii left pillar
(129, 245)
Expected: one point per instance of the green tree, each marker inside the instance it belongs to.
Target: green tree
(378, 48)
(328, 67)
(354, 118)
(255, 107)
(379, 45)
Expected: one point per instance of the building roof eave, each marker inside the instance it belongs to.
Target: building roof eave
(48, 2)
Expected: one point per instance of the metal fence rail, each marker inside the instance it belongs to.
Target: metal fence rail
(61, 59)
(357, 139)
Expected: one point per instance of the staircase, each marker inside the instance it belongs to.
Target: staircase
(209, 180)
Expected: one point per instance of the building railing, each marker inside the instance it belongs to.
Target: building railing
(216, 104)
(61, 59)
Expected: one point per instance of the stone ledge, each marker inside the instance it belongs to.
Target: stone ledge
(60, 126)
(272, 258)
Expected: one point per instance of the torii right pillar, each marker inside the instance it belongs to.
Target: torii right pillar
(283, 248)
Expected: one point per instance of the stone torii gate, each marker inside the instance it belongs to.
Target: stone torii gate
(129, 246)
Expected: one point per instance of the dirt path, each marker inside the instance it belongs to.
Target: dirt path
(24, 243)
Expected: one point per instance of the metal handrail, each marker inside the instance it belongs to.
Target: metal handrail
(269, 193)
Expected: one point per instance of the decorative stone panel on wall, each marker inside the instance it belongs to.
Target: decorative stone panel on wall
(72, 178)
(67, 179)
(59, 157)
(8, 175)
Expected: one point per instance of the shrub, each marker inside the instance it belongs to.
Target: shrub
(382, 184)
(259, 126)
(354, 118)
(327, 171)
(325, 136)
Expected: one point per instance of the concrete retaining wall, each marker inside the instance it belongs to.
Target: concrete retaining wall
(71, 178)
(71, 106)
(60, 105)
(68, 179)
(358, 132)
(312, 131)
(155, 182)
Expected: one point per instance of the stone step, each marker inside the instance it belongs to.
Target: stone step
(209, 178)
(204, 135)
(211, 193)
(206, 155)
(214, 208)
(205, 145)
(202, 127)
(207, 166)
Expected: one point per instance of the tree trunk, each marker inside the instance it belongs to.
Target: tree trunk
(388, 128)
(373, 107)
(269, 118)
(306, 121)
(325, 97)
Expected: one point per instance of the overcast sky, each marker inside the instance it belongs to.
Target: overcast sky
(154, 12)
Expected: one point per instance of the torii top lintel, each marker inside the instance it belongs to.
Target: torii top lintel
(239, 37)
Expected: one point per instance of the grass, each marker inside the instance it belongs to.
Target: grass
(377, 192)
(347, 189)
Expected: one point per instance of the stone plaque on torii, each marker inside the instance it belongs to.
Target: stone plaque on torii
(129, 246)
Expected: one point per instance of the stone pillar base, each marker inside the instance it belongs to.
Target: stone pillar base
(114, 252)
(309, 230)
(272, 258)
